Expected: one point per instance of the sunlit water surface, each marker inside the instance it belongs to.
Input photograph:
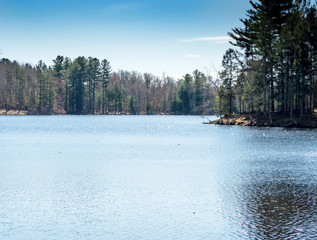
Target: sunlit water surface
(154, 177)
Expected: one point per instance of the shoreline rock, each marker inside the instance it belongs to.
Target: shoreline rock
(13, 112)
(262, 120)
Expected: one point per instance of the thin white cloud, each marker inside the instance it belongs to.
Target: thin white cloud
(219, 39)
(192, 55)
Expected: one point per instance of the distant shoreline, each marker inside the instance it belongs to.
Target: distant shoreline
(26, 113)
(262, 120)
(4, 112)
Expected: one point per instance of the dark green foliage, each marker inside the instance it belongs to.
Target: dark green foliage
(185, 94)
(279, 70)
(47, 89)
(60, 78)
(229, 75)
(175, 105)
(105, 75)
(133, 105)
(77, 78)
(200, 85)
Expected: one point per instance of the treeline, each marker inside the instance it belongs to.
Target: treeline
(276, 71)
(88, 86)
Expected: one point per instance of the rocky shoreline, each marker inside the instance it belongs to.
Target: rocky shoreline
(262, 120)
(13, 112)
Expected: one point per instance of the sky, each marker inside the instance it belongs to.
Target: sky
(171, 37)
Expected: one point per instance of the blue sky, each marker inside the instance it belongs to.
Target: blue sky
(157, 36)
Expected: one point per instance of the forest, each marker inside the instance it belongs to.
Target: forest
(88, 86)
(276, 66)
(271, 68)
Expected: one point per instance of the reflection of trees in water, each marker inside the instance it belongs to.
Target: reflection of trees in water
(281, 211)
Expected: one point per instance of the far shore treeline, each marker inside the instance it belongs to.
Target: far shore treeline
(88, 86)
(271, 69)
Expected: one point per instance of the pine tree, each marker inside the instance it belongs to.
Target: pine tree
(78, 77)
(105, 75)
(230, 64)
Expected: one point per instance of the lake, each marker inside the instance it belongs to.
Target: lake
(154, 177)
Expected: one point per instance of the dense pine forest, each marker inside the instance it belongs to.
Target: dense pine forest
(88, 86)
(276, 68)
(272, 68)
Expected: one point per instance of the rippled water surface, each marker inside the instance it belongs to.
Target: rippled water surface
(154, 177)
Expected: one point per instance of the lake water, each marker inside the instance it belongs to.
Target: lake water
(154, 177)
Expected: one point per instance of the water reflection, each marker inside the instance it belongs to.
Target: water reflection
(275, 191)
(284, 210)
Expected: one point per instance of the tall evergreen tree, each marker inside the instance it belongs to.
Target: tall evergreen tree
(278, 34)
(59, 74)
(78, 77)
(229, 74)
(105, 75)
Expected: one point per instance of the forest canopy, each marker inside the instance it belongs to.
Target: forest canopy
(89, 86)
(276, 65)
